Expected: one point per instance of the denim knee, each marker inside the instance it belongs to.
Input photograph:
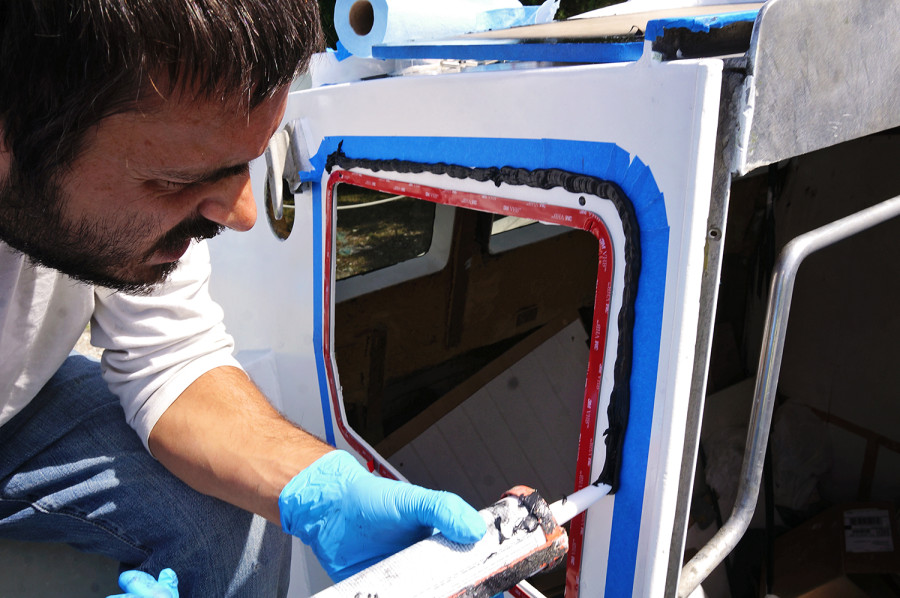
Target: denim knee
(73, 471)
(224, 551)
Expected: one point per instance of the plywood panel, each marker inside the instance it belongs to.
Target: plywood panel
(608, 26)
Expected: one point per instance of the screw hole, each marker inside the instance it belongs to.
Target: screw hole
(582, 200)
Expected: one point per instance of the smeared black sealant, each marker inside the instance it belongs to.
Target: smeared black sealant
(498, 521)
(549, 178)
(537, 515)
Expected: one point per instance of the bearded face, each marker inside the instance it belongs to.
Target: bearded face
(145, 185)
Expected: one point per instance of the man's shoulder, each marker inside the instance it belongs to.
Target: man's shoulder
(19, 274)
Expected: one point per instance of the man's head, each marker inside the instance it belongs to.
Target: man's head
(126, 127)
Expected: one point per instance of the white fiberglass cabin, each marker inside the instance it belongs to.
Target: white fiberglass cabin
(533, 256)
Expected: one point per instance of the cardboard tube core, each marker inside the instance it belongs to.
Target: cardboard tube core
(362, 17)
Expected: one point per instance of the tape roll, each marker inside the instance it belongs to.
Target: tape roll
(361, 24)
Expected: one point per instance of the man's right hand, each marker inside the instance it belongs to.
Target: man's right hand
(138, 584)
(352, 519)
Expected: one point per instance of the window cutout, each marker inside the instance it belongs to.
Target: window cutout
(448, 454)
(471, 378)
(377, 230)
(281, 227)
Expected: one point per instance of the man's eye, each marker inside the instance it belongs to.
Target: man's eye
(172, 185)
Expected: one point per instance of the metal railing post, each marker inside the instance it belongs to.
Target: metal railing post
(777, 312)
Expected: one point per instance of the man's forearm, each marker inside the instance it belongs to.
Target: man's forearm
(223, 438)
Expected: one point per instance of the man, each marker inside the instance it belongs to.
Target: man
(125, 133)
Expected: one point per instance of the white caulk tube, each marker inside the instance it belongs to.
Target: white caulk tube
(566, 508)
(524, 537)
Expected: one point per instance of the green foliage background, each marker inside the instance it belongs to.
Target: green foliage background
(567, 8)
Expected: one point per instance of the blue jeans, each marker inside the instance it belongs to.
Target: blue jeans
(73, 471)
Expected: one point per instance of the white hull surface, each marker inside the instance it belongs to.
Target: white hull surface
(440, 367)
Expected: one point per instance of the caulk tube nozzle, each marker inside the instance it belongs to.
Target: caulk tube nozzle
(566, 508)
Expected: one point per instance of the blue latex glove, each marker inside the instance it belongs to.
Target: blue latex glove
(138, 584)
(352, 519)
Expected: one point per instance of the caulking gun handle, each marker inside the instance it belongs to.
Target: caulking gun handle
(566, 508)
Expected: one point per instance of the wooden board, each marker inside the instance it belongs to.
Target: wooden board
(608, 26)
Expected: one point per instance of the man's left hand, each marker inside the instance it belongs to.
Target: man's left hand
(138, 584)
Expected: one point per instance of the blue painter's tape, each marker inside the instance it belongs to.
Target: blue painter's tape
(652, 221)
(319, 313)
(513, 50)
(618, 165)
(504, 18)
(307, 176)
(700, 24)
(341, 53)
(603, 160)
(634, 176)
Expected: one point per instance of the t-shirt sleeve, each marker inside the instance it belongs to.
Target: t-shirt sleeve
(156, 345)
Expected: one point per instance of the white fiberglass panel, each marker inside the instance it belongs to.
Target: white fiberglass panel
(663, 114)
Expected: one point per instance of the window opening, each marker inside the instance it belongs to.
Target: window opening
(283, 226)
(399, 350)
(407, 347)
(377, 230)
(472, 378)
(618, 209)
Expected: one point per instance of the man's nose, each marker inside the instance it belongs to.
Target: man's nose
(231, 204)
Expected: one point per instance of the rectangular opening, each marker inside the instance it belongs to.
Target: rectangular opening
(484, 369)
(470, 378)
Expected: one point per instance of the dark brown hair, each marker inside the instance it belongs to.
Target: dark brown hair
(67, 64)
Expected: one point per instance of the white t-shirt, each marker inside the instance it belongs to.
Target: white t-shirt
(155, 346)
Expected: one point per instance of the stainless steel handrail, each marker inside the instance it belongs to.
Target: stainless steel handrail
(777, 312)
